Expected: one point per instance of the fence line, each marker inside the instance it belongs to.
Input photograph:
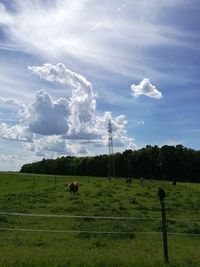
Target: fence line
(93, 217)
(91, 232)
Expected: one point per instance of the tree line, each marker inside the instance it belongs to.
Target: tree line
(176, 163)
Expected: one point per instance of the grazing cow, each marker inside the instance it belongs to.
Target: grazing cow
(73, 188)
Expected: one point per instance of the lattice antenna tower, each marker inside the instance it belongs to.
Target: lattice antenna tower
(111, 167)
(110, 139)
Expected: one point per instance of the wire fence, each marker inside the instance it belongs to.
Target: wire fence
(95, 218)
(92, 232)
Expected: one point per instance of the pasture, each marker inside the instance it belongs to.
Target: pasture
(61, 241)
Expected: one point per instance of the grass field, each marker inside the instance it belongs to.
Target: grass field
(139, 246)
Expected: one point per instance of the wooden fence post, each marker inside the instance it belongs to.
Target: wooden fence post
(161, 195)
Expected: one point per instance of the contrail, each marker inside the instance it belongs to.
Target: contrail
(124, 96)
(119, 9)
(91, 30)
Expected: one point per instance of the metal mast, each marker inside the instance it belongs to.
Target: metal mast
(111, 167)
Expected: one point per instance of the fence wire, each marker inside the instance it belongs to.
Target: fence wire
(92, 232)
(95, 217)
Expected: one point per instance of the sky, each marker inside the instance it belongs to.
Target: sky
(68, 67)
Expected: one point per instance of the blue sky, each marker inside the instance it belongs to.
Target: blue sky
(68, 67)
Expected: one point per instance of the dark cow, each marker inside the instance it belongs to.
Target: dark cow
(73, 188)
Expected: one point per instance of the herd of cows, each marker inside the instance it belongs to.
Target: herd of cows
(73, 187)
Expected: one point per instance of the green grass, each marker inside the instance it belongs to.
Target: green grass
(26, 193)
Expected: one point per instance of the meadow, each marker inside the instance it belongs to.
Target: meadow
(119, 243)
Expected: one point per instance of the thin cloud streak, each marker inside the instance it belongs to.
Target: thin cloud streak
(100, 24)
(67, 29)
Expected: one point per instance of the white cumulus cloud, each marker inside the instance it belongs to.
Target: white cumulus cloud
(48, 117)
(59, 73)
(146, 88)
(66, 126)
(82, 103)
(55, 145)
(16, 132)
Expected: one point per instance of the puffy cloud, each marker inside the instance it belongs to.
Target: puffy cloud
(64, 126)
(123, 141)
(54, 146)
(119, 132)
(59, 73)
(48, 117)
(20, 131)
(82, 104)
(44, 116)
(145, 88)
(16, 132)
(83, 123)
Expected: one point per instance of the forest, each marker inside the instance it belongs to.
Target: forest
(176, 163)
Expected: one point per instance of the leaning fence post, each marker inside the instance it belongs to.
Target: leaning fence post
(161, 195)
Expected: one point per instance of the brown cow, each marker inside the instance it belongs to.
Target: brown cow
(73, 188)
